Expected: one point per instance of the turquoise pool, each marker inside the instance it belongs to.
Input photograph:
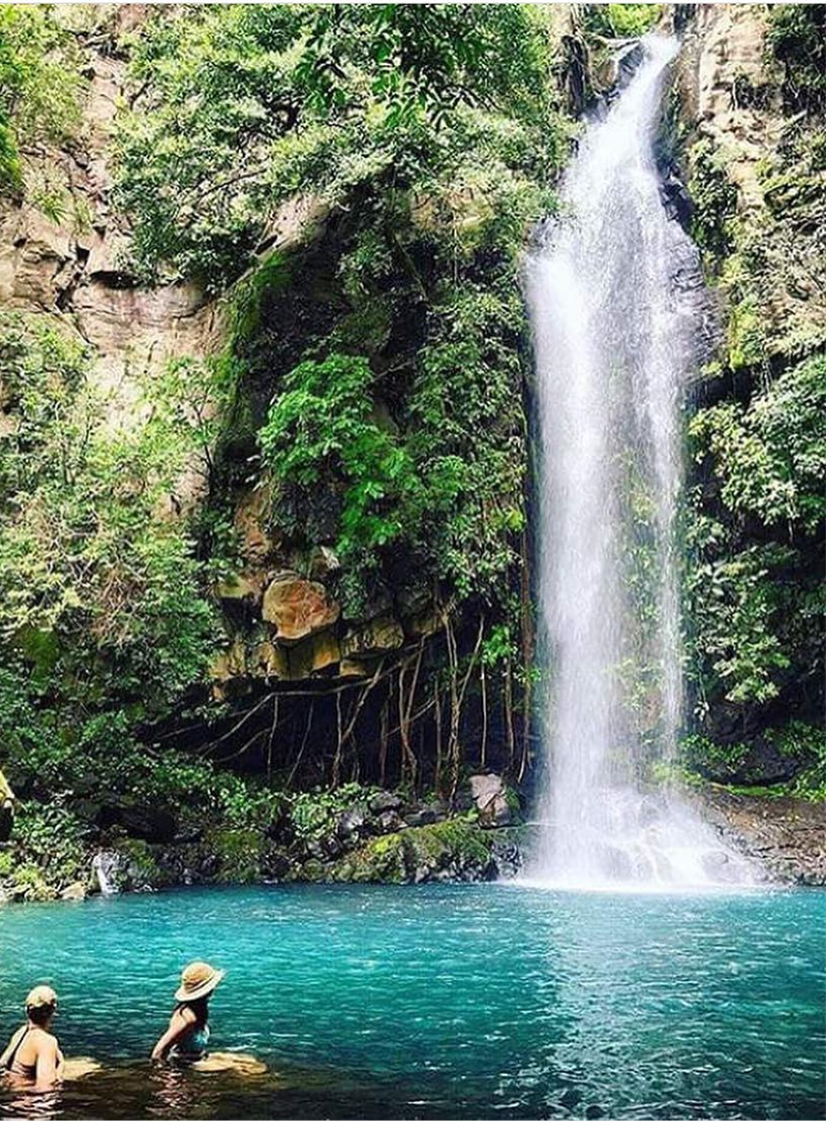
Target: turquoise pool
(441, 1001)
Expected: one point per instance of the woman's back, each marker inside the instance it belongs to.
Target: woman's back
(32, 1054)
(27, 1047)
(192, 1045)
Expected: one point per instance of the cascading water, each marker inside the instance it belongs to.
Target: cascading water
(613, 297)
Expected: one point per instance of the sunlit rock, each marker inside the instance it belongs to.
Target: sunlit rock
(298, 608)
(384, 633)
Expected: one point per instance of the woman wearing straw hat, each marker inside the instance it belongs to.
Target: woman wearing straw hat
(33, 1054)
(187, 1036)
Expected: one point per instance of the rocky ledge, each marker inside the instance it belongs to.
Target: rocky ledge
(785, 835)
(378, 836)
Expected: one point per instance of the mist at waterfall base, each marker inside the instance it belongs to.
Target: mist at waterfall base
(615, 294)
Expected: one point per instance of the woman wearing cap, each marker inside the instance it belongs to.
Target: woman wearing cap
(187, 1036)
(33, 1054)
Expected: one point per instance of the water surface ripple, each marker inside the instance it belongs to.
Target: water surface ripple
(476, 1001)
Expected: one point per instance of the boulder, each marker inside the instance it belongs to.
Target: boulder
(316, 653)
(75, 892)
(245, 587)
(390, 822)
(298, 608)
(230, 663)
(450, 851)
(490, 800)
(270, 661)
(331, 847)
(421, 817)
(381, 634)
(425, 623)
(351, 822)
(275, 865)
(384, 802)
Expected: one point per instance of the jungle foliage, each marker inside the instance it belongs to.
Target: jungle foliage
(395, 417)
(39, 86)
(356, 184)
(429, 158)
(756, 511)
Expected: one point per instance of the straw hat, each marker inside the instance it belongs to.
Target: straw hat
(198, 979)
(42, 996)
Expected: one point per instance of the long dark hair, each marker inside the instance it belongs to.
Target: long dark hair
(200, 1006)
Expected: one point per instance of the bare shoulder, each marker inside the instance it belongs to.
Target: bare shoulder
(44, 1040)
(182, 1018)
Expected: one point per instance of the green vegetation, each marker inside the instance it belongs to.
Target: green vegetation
(770, 457)
(95, 576)
(372, 381)
(39, 88)
(714, 199)
(452, 848)
(799, 749)
(621, 21)
(797, 39)
(244, 107)
(323, 427)
(755, 593)
(403, 380)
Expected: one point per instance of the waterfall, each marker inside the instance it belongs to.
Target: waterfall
(613, 293)
(105, 867)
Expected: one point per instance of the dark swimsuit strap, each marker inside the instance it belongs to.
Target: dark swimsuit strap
(10, 1061)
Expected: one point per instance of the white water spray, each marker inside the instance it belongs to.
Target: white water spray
(613, 297)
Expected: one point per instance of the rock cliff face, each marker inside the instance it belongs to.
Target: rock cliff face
(785, 837)
(751, 113)
(736, 106)
(724, 50)
(70, 264)
(72, 267)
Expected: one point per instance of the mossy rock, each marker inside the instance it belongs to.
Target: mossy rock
(456, 849)
(239, 853)
(139, 865)
(28, 883)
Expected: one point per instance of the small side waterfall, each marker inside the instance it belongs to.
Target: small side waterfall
(105, 867)
(613, 297)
